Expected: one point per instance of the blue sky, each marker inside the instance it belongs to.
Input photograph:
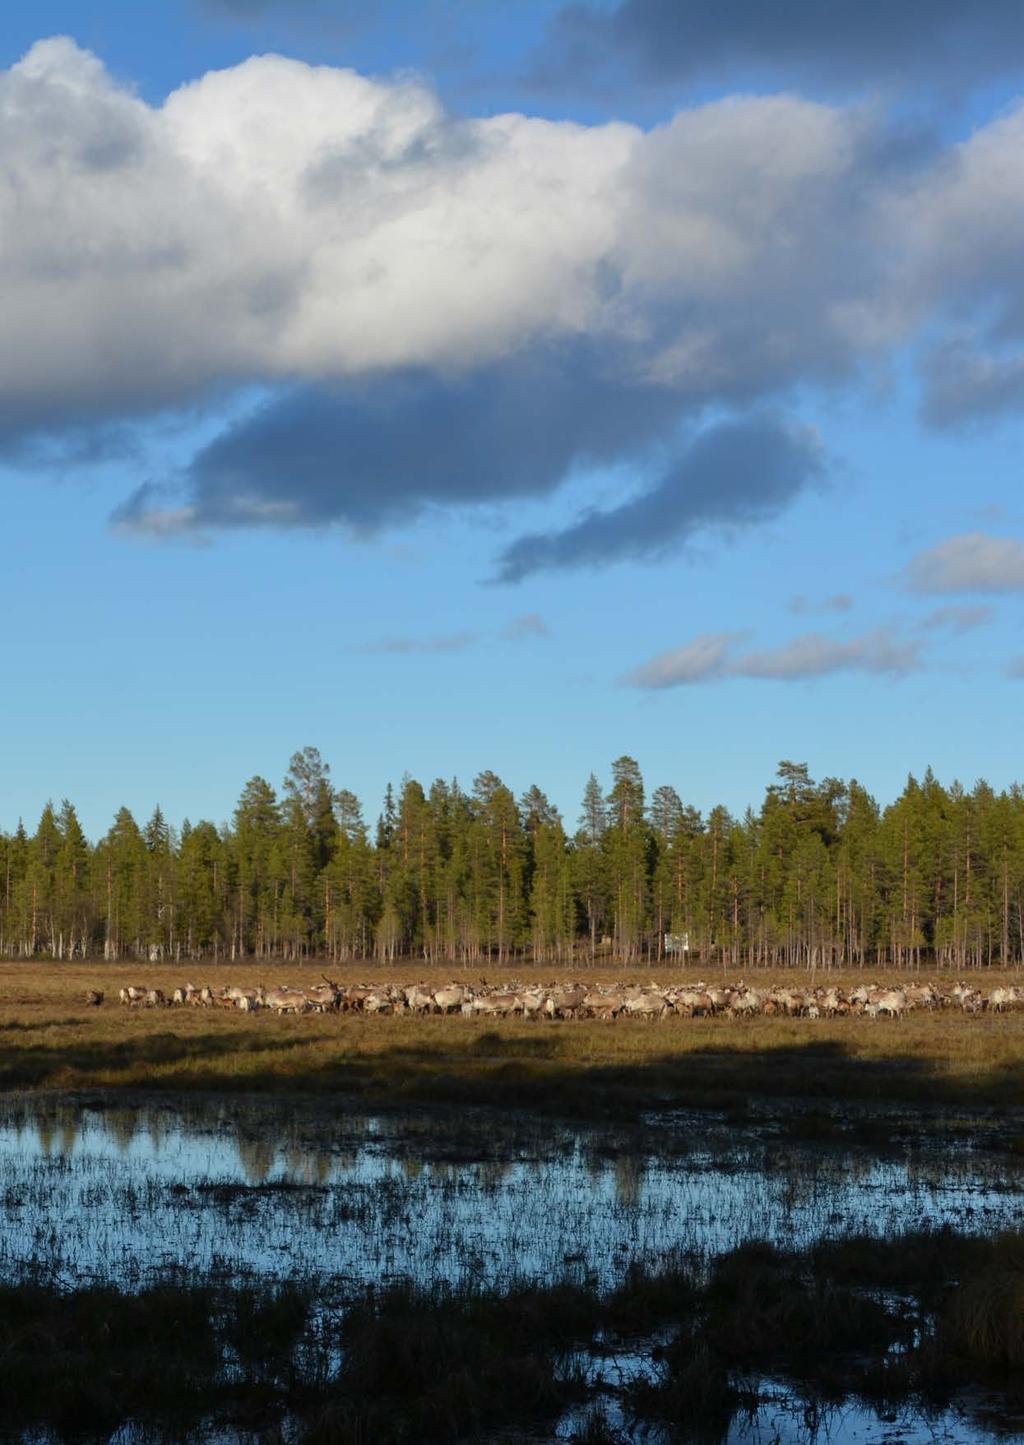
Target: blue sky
(678, 414)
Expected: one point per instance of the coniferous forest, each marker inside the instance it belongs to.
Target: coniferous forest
(818, 876)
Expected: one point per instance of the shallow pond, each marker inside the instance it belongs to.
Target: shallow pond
(777, 1415)
(99, 1190)
(104, 1189)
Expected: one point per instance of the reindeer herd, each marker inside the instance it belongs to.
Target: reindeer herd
(587, 1001)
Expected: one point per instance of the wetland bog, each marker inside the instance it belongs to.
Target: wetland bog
(324, 1275)
(116, 1191)
(393, 1229)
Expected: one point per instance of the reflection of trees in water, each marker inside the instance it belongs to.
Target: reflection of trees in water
(155, 1125)
(256, 1157)
(297, 1163)
(492, 1174)
(122, 1126)
(935, 1171)
(57, 1127)
(69, 1122)
(596, 1157)
(305, 1165)
(853, 1168)
(46, 1131)
(524, 1196)
(800, 1178)
(628, 1170)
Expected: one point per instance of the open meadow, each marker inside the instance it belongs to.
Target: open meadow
(51, 1039)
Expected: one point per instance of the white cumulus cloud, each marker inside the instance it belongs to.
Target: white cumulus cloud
(280, 221)
(384, 269)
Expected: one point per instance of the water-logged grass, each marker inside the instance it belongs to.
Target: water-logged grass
(295, 1189)
(49, 1039)
(303, 1189)
(922, 1318)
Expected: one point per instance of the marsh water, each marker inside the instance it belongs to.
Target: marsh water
(117, 1192)
(101, 1190)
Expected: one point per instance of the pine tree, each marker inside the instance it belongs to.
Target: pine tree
(258, 881)
(627, 848)
(41, 885)
(74, 904)
(817, 876)
(160, 886)
(207, 911)
(590, 869)
(121, 884)
(16, 864)
(498, 867)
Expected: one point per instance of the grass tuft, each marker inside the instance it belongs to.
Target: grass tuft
(984, 1320)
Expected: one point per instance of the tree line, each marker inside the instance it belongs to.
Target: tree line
(819, 876)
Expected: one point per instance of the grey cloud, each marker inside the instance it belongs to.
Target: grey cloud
(437, 154)
(702, 658)
(743, 317)
(965, 382)
(800, 605)
(957, 619)
(1015, 667)
(964, 217)
(375, 453)
(521, 629)
(337, 16)
(732, 474)
(972, 562)
(144, 514)
(713, 655)
(863, 42)
(814, 655)
(444, 642)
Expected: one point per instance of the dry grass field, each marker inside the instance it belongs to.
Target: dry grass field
(50, 1039)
